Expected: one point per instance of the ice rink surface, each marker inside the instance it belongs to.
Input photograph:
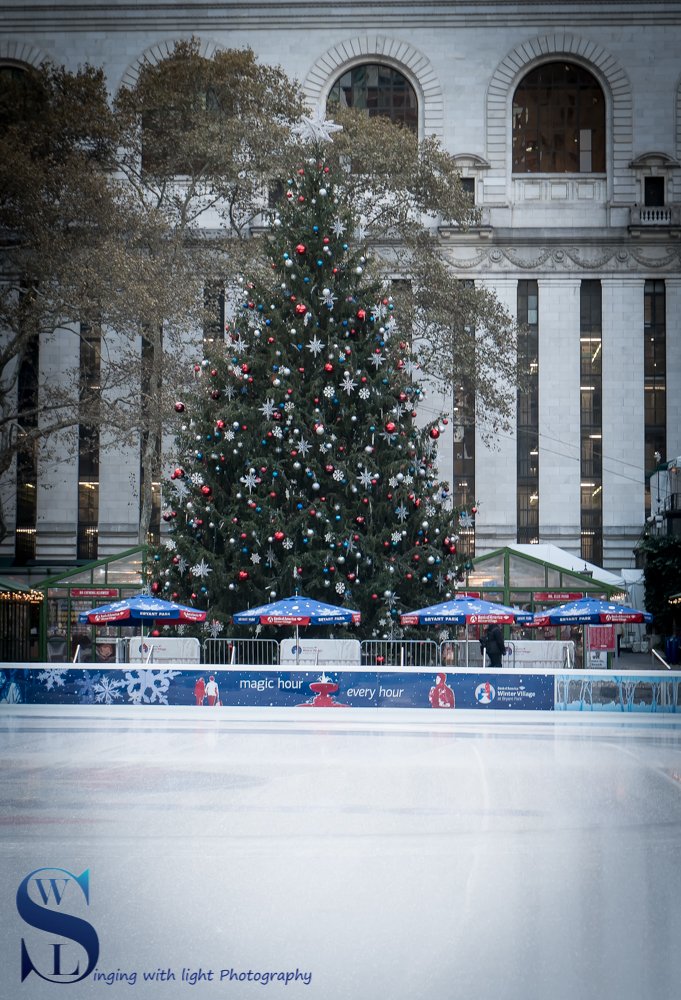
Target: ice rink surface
(404, 856)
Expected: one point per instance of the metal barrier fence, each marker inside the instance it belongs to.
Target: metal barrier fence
(449, 654)
(250, 652)
(399, 653)
(459, 653)
(374, 652)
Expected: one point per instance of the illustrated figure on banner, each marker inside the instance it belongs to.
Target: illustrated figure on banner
(441, 696)
(200, 691)
(212, 691)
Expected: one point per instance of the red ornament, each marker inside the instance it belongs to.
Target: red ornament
(361, 314)
(301, 248)
(301, 309)
(434, 433)
(155, 587)
(328, 367)
(179, 407)
(243, 574)
(391, 427)
(206, 490)
(279, 536)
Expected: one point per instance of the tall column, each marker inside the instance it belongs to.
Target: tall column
(119, 479)
(559, 414)
(623, 419)
(673, 294)
(57, 515)
(496, 463)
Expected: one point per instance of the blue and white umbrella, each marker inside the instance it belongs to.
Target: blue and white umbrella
(590, 611)
(297, 611)
(466, 610)
(140, 608)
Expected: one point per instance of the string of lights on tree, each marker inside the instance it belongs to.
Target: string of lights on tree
(301, 464)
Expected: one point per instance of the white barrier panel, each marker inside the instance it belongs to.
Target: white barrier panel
(548, 653)
(164, 650)
(320, 651)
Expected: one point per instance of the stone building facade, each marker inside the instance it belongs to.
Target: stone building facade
(565, 119)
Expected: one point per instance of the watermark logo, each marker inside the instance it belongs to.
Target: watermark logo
(66, 948)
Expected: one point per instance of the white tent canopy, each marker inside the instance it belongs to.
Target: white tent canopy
(548, 553)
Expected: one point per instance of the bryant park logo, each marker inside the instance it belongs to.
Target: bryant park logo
(63, 947)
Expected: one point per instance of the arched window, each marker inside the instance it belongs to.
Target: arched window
(18, 91)
(559, 122)
(377, 90)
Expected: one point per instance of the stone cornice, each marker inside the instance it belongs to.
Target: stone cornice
(195, 15)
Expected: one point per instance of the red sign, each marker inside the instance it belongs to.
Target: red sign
(94, 592)
(601, 637)
(557, 595)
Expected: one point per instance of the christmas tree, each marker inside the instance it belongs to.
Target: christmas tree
(301, 465)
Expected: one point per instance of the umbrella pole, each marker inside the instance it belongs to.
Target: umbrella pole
(466, 645)
(297, 647)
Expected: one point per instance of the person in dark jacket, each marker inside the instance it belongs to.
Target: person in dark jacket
(493, 644)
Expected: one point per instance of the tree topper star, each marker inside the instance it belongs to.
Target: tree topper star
(315, 127)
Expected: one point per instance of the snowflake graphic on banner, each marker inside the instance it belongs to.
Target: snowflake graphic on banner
(149, 686)
(53, 677)
(85, 686)
(108, 690)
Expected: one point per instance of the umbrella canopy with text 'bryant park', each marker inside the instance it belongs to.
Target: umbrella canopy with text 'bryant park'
(590, 611)
(465, 610)
(141, 608)
(297, 611)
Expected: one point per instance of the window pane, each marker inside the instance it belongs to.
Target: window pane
(378, 90)
(558, 121)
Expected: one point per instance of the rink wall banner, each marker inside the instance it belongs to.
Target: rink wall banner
(250, 687)
(604, 691)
